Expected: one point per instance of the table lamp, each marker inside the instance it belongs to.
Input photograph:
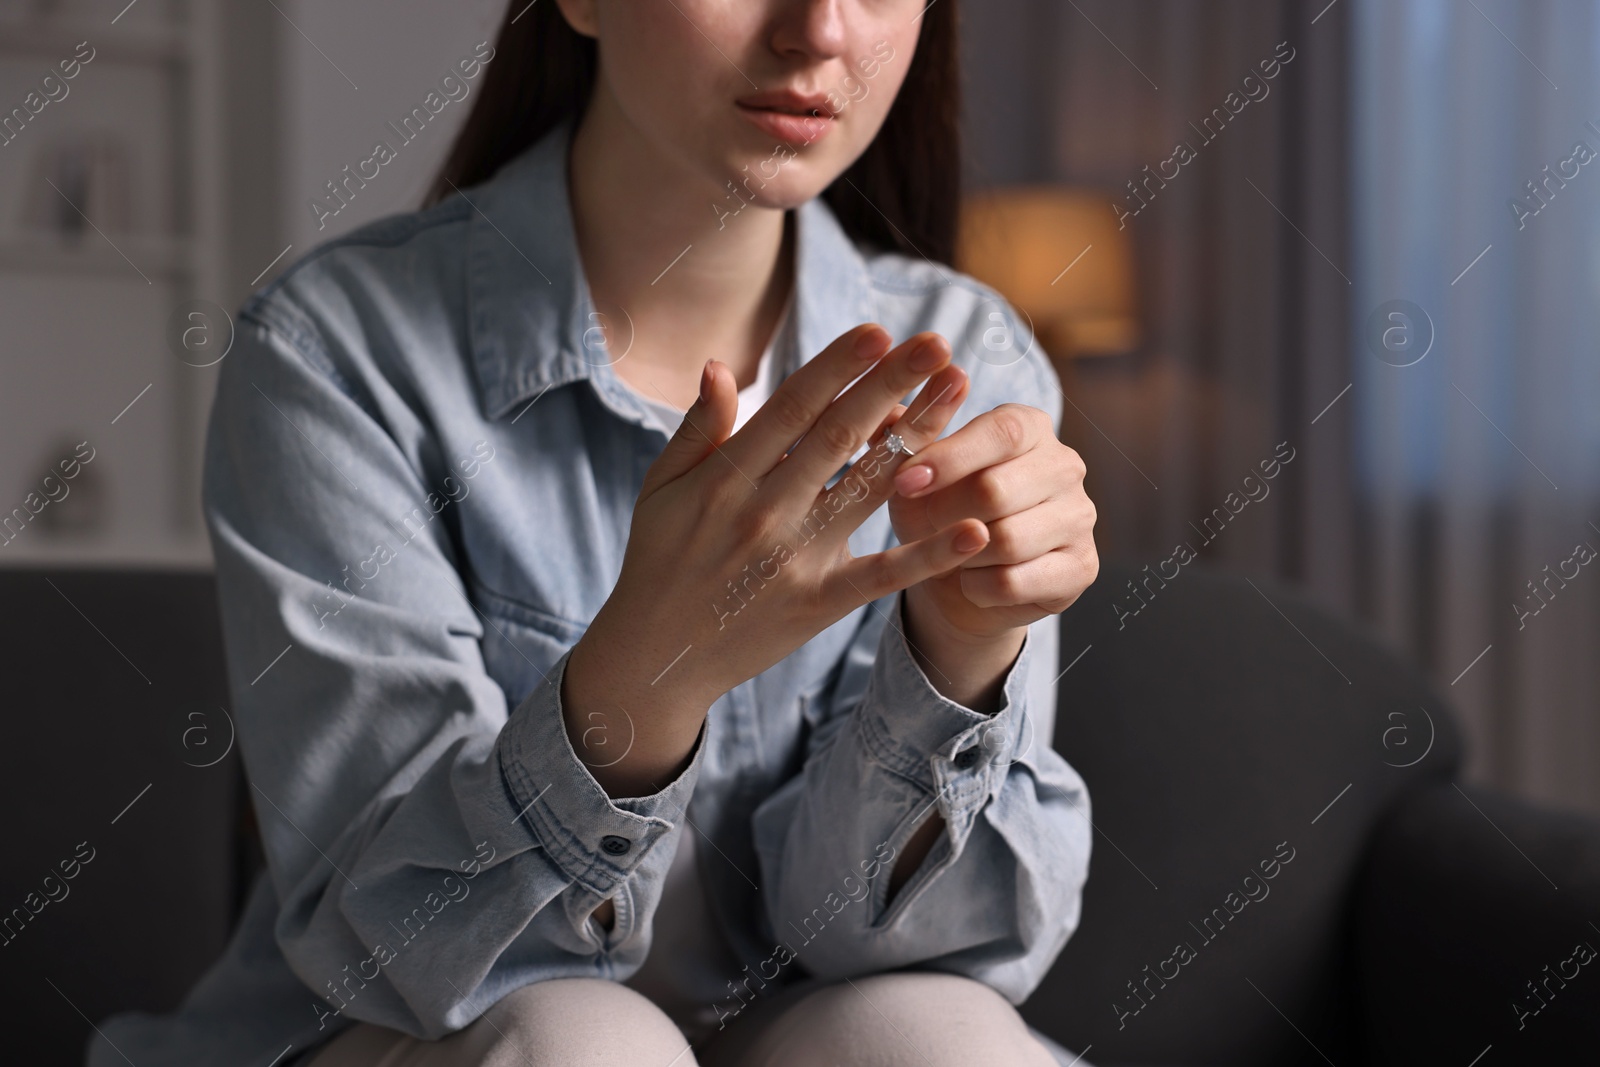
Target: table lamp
(1056, 253)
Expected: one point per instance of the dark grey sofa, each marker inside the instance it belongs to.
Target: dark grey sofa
(1226, 718)
(1227, 732)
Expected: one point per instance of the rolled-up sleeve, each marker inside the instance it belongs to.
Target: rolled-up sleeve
(431, 846)
(999, 893)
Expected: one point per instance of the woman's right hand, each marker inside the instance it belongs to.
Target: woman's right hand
(738, 551)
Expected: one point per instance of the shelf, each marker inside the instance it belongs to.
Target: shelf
(79, 301)
(154, 257)
(188, 553)
(55, 41)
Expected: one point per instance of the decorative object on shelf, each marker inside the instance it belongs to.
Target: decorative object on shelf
(67, 497)
(1057, 254)
(92, 178)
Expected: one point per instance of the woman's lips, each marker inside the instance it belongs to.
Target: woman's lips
(786, 126)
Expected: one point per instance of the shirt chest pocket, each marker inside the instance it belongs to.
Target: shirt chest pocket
(521, 641)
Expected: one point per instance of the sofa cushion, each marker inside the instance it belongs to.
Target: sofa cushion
(1240, 746)
(120, 793)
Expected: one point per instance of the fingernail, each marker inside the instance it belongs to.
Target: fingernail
(871, 344)
(705, 382)
(969, 540)
(926, 357)
(911, 479)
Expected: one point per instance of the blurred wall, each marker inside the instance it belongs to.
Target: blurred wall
(370, 65)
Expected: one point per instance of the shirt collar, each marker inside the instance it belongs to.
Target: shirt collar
(530, 307)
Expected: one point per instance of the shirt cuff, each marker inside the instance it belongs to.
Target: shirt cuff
(597, 840)
(910, 727)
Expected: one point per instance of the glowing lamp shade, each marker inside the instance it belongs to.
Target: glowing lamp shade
(1055, 253)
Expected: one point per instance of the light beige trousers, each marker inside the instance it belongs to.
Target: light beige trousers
(888, 1020)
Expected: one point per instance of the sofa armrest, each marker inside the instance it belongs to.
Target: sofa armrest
(1477, 925)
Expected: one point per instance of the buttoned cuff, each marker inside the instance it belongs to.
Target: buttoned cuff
(954, 752)
(595, 839)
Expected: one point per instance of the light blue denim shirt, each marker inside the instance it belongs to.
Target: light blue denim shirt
(420, 474)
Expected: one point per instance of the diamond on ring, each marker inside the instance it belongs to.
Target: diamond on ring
(895, 443)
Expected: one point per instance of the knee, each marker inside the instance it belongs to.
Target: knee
(915, 1019)
(583, 1020)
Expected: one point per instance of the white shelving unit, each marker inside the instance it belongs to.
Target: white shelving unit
(84, 309)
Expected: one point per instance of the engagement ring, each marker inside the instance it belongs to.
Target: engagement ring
(895, 443)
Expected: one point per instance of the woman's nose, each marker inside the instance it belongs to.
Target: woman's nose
(815, 29)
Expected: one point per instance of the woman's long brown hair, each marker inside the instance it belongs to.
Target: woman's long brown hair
(901, 195)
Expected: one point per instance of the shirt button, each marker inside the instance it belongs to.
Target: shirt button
(614, 845)
(967, 758)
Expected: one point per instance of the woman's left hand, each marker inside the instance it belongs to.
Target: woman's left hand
(1006, 468)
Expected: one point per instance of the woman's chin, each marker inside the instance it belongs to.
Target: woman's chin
(758, 183)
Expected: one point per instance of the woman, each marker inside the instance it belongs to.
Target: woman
(584, 728)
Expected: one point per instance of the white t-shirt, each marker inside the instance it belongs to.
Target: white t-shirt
(690, 965)
(751, 397)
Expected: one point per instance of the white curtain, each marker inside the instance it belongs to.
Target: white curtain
(1478, 467)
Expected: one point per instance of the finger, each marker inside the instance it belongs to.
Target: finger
(868, 578)
(888, 420)
(705, 426)
(1026, 535)
(993, 437)
(1006, 488)
(841, 429)
(796, 404)
(1045, 580)
(838, 510)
